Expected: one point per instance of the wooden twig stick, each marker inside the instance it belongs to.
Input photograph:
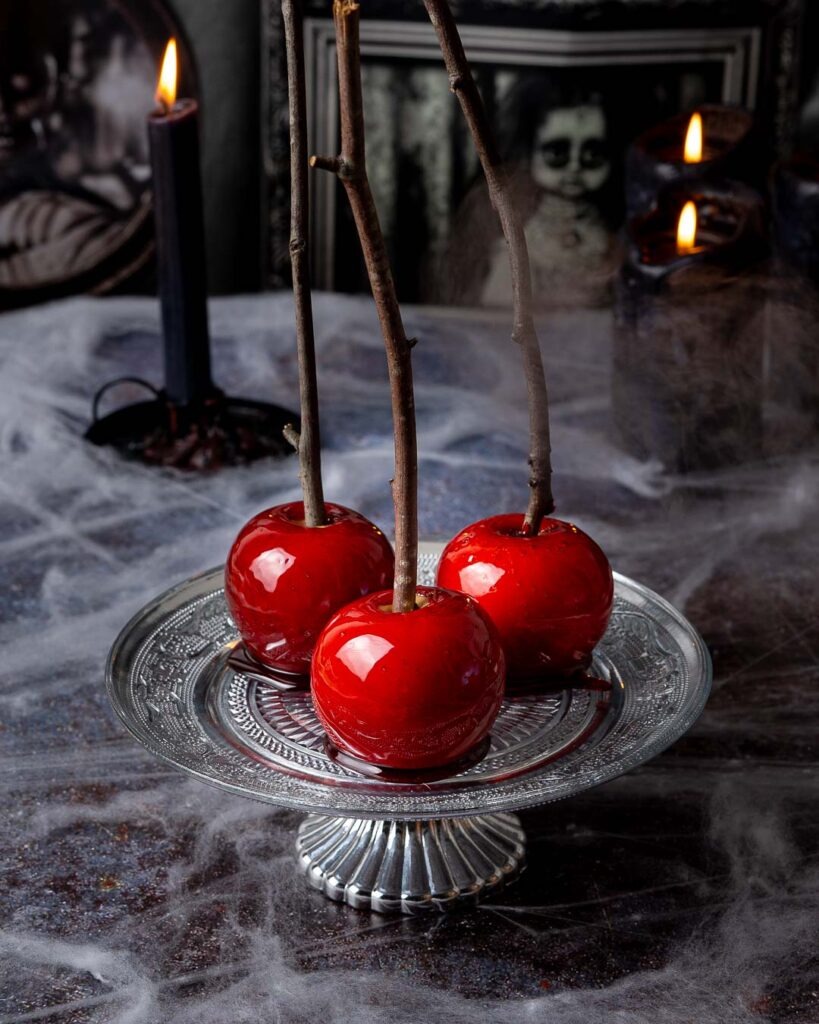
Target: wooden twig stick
(350, 166)
(308, 442)
(541, 502)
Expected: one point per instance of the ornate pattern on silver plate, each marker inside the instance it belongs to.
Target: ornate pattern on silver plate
(170, 679)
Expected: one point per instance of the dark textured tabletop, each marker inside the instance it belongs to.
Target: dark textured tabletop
(687, 891)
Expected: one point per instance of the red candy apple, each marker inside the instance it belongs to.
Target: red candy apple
(411, 690)
(284, 580)
(550, 595)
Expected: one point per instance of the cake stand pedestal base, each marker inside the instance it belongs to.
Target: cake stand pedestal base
(411, 867)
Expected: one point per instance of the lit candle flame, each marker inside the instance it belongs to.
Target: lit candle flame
(693, 140)
(166, 87)
(687, 229)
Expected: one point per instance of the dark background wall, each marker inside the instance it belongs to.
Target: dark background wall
(810, 75)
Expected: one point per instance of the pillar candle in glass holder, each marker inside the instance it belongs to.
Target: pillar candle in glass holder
(793, 312)
(173, 131)
(712, 142)
(688, 358)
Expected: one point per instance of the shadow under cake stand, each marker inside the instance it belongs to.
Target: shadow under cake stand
(402, 846)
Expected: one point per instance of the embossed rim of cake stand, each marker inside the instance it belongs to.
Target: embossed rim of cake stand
(665, 687)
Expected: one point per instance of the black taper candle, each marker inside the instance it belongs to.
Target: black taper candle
(190, 424)
(180, 241)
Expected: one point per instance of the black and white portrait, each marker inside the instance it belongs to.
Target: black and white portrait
(77, 79)
(566, 90)
(562, 156)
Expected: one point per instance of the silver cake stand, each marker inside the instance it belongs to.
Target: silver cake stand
(408, 845)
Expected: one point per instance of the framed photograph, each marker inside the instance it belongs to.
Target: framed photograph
(77, 82)
(567, 86)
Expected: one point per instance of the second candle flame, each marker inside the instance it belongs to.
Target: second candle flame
(693, 140)
(166, 87)
(687, 229)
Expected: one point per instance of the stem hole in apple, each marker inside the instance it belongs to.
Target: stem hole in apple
(521, 534)
(421, 601)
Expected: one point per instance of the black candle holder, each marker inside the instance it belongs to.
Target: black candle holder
(216, 432)
(689, 348)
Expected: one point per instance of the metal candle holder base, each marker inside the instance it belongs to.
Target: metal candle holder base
(414, 844)
(217, 432)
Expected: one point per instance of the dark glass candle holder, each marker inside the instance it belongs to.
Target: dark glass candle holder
(655, 160)
(689, 346)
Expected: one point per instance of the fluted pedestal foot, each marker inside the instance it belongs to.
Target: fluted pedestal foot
(411, 866)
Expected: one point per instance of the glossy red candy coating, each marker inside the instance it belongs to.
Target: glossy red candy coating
(550, 596)
(284, 580)
(408, 690)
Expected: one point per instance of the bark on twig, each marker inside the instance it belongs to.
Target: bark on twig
(351, 169)
(541, 502)
(308, 442)
(292, 436)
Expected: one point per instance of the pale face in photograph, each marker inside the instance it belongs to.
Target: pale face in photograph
(570, 155)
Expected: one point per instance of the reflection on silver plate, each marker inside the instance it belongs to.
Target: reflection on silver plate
(171, 682)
